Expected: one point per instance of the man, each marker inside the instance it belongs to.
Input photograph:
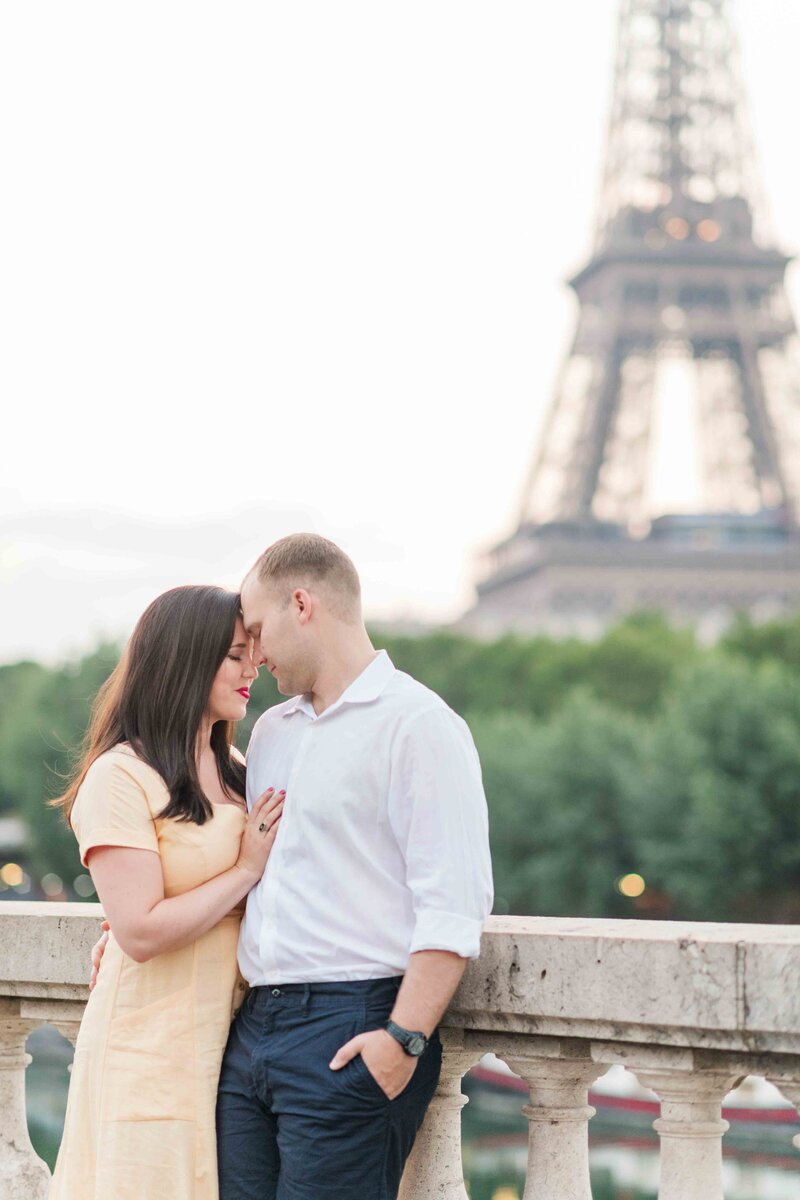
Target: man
(373, 901)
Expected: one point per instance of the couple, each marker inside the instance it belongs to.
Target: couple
(357, 835)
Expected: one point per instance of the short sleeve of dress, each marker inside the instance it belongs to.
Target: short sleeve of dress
(111, 809)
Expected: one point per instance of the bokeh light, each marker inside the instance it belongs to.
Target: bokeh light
(631, 885)
(708, 231)
(677, 227)
(12, 874)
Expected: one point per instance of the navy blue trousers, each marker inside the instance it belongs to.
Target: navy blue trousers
(291, 1128)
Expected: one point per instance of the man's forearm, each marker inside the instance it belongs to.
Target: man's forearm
(430, 980)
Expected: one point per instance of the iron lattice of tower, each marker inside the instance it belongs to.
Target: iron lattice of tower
(668, 472)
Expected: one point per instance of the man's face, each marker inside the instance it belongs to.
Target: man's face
(280, 640)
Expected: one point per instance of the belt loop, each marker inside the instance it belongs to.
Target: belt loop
(306, 995)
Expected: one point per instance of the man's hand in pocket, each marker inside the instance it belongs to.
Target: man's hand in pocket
(384, 1058)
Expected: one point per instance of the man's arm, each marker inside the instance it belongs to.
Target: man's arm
(430, 980)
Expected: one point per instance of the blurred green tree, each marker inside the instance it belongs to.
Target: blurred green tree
(43, 722)
(778, 639)
(640, 752)
(716, 811)
(558, 795)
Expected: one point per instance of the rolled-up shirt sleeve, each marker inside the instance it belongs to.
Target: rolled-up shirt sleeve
(438, 813)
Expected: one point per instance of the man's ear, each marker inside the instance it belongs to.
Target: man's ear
(304, 605)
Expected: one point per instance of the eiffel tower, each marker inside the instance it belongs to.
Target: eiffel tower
(668, 472)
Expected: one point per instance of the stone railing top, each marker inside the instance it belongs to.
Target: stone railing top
(704, 985)
(714, 985)
(45, 948)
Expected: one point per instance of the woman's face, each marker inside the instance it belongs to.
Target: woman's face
(230, 690)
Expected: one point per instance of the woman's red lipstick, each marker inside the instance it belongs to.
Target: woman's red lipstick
(244, 692)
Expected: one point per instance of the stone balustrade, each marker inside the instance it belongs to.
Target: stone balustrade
(690, 1009)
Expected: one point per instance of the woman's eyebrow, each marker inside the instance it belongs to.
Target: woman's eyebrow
(239, 646)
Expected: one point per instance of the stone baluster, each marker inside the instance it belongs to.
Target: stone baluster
(558, 1129)
(690, 1128)
(64, 1015)
(789, 1087)
(69, 1030)
(434, 1169)
(23, 1175)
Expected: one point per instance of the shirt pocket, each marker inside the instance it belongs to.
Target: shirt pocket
(150, 1070)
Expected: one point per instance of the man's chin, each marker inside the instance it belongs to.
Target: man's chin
(289, 685)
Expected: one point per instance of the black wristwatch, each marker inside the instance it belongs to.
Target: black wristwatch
(412, 1041)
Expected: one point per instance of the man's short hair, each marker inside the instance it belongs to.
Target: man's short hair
(306, 558)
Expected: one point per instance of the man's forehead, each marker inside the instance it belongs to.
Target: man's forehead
(255, 600)
(251, 591)
(250, 618)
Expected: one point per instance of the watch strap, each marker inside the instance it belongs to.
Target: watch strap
(407, 1038)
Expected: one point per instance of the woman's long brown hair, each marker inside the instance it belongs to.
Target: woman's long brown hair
(156, 697)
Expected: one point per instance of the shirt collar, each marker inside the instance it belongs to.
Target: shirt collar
(365, 687)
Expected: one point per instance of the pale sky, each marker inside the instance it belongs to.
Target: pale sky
(269, 267)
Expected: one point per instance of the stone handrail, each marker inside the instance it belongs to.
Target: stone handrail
(689, 1008)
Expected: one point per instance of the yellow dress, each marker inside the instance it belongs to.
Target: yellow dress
(139, 1123)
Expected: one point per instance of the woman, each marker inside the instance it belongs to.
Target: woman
(157, 805)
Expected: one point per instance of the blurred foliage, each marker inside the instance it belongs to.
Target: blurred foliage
(717, 814)
(641, 752)
(43, 716)
(630, 667)
(558, 793)
(778, 640)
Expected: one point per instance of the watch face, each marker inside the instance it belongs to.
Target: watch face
(416, 1044)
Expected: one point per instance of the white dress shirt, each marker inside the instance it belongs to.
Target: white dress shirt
(383, 847)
